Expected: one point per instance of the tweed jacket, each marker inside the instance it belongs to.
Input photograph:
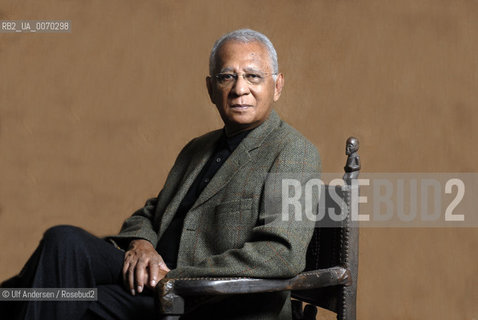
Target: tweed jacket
(227, 231)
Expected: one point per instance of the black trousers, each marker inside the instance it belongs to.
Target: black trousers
(70, 257)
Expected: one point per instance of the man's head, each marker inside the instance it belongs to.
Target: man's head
(244, 80)
(351, 146)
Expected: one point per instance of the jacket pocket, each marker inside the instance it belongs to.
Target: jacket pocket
(233, 206)
(233, 222)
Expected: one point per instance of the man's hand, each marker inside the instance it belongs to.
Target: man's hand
(142, 263)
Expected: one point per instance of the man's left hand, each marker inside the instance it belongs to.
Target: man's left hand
(142, 266)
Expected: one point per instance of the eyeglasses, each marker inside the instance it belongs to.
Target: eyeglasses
(253, 78)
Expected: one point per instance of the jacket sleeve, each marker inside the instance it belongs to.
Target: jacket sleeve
(138, 226)
(141, 224)
(277, 246)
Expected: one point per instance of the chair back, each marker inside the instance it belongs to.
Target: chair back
(335, 244)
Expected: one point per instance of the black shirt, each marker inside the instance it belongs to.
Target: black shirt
(168, 245)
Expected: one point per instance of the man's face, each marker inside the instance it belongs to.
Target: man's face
(243, 101)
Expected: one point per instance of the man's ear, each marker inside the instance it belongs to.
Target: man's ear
(210, 89)
(278, 86)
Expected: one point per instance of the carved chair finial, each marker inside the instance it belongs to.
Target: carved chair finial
(352, 166)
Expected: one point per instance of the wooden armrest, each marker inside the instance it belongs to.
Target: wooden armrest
(172, 290)
(220, 286)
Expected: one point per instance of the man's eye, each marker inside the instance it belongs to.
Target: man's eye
(226, 77)
(254, 77)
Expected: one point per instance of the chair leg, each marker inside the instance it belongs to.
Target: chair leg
(297, 312)
(310, 312)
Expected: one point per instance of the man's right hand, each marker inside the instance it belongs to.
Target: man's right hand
(143, 266)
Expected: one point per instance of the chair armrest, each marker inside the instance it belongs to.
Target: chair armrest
(220, 286)
(171, 291)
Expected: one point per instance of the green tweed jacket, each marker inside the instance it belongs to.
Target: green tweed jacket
(228, 231)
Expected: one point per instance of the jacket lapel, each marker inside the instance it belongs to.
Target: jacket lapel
(239, 158)
(198, 160)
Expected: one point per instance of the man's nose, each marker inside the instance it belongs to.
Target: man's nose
(240, 86)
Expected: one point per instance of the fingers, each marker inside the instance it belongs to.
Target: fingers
(153, 274)
(143, 266)
(133, 271)
(163, 266)
(157, 271)
(131, 278)
(128, 271)
(140, 274)
(125, 269)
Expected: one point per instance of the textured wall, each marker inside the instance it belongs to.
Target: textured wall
(91, 121)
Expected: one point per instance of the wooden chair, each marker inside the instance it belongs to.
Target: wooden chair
(329, 280)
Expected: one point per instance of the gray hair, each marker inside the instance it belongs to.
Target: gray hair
(245, 36)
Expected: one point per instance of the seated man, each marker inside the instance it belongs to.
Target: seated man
(210, 218)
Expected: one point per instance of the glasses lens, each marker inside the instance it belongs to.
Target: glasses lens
(254, 78)
(225, 77)
(250, 77)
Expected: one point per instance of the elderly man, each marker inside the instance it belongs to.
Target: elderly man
(210, 219)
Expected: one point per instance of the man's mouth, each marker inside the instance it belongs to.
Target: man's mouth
(238, 106)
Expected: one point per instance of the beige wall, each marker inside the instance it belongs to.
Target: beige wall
(91, 121)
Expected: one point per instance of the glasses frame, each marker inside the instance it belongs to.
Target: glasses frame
(243, 75)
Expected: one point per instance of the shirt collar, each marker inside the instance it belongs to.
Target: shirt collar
(232, 142)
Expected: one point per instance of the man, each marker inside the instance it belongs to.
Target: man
(210, 219)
